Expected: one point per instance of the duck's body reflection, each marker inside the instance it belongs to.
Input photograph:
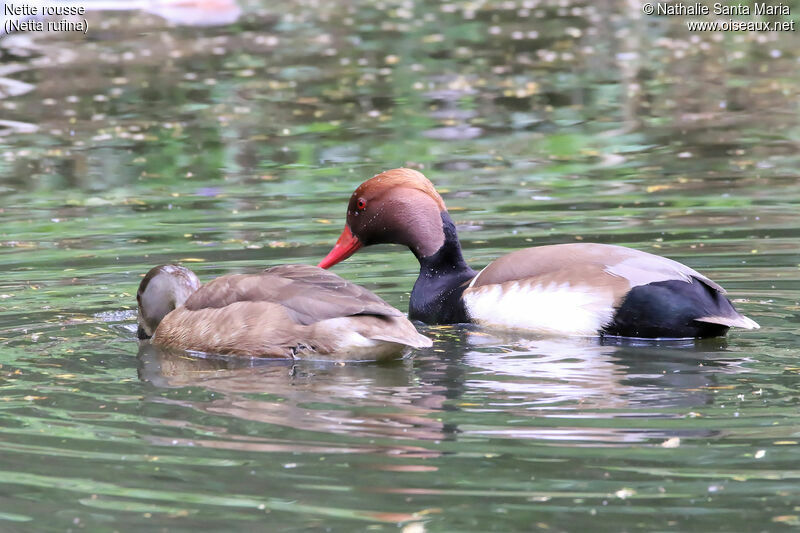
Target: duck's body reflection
(598, 374)
(580, 381)
(363, 402)
(567, 390)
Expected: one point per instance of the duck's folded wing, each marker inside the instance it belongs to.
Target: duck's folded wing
(315, 294)
(319, 279)
(603, 264)
(309, 294)
(226, 290)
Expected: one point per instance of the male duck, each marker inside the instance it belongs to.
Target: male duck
(565, 289)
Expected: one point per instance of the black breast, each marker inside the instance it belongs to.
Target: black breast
(443, 277)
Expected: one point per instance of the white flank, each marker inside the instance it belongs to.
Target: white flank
(561, 309)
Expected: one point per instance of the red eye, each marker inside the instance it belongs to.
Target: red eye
(361, 203)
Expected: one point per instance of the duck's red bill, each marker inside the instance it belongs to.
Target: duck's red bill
(347, 245)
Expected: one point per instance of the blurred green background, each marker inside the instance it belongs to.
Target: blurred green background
(228, 136)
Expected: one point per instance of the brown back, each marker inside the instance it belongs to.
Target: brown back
(588, 264)
(308, 293)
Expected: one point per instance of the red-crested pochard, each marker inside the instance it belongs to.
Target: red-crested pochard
(287, 311)
(565, 289)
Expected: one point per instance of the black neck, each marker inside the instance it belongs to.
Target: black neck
(443, 276)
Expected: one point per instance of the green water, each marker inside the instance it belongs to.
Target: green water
(234, 148)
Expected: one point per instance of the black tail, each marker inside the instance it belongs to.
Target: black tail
(675, 309)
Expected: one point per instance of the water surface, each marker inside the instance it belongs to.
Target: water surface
(234, 147)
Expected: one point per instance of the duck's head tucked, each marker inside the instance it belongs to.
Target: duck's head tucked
(164, 288)
(399, 206)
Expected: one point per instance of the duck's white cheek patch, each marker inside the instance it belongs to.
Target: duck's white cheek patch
(561, 309)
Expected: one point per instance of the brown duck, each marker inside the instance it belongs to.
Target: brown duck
(288, 311)
(565, 289)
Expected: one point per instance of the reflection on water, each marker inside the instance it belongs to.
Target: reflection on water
(358, 400)
(596, 374)
(228, 136)
(538, 378)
